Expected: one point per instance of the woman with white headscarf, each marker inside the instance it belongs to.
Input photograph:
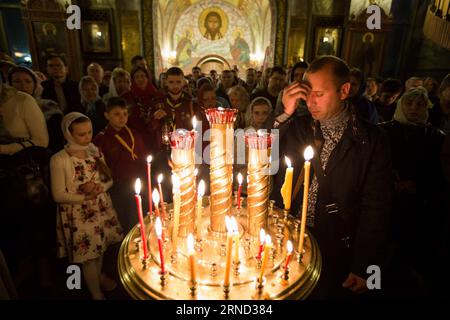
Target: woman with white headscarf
(418, 213)
(86, 221)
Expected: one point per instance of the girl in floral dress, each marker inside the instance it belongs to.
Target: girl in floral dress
(86, 221)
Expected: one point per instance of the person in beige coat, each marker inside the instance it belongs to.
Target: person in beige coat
(21, 120)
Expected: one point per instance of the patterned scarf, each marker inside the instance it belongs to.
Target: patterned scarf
(332, 131)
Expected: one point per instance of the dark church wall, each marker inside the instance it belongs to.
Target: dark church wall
(409, 53)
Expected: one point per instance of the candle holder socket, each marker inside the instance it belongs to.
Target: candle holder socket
(300, 256)
(223, 250)
(260, 285)
(163, 278)
(285, 277)
(226, 291)
(198, 245)
(174, 257)
(213, 272)
(285, 214)
(258, 263)
(193, 288)
(137, 245)
(144, 263)
(236, 265)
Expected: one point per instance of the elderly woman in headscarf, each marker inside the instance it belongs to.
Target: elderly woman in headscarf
(26, 80)
(93, 105)
(120, 86)
(415, 148)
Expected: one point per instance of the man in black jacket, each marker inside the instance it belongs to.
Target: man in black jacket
(59, 87)
(351, 181)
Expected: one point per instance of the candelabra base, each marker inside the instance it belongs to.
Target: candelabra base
(210, 266)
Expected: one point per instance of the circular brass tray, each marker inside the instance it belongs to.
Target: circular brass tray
(145, 283)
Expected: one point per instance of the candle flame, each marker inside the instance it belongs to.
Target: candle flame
(234, 224)
(160, 178)
(268, 240)
(137, 186)
(240, 178)
(289, 247)
(228, 224)
(190, 244)
(309, 153)
(201, 188)
(288, 162)
(149, 159)
(155, 196)
(262, 236)
(158, 227)
(194, 122)
(175, 182)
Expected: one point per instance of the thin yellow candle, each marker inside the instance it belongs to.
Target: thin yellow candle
(308, 154)
(236, 239)
(226, 281)
(267, 247)
(191, 253)
(286, 189)
(176, 210)
(155, 198)
(198, 217)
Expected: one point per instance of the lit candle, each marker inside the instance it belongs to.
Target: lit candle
(286, 189)
(262, 238)
(160, 179)
(289, 254)
(163, 210)
(176, 210)
(267, 247)
(191, 253)
(234, 225)
(239, 190)
(229, 248)
(137, 188)
(194, 123)
(158, 229)
(308, 154)
(195, 183)
(149, 183)
(198, 216)
(156, 201)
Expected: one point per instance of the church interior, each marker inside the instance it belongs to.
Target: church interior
(238, 51)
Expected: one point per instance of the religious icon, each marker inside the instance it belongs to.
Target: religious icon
(50, 39)
(184, 49)
(366, 53)
(213, 23)
(240, 50)
(96, 36)
(327, 41)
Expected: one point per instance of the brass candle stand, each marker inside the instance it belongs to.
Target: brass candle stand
(143, 278)
(149, 283)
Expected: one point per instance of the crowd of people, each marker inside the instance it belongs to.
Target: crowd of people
(383, 147)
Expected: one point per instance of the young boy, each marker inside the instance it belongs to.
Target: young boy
(124, 153)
